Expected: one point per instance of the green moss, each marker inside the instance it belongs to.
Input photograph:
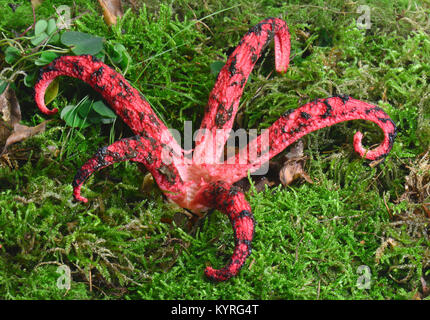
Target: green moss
(310, 239)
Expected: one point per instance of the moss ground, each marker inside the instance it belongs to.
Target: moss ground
(311, 239)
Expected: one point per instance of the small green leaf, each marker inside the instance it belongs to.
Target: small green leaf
(103, 110)
(85, 108)
(35, 41)
(91, 47)
(66, 110)
(45, 58)
(82, 43)
(118, 52)
(86, 113)
(71, 116)
(107, 120)
(120, 55)
(30, 79)
(40, 27)
(55, 38)
(3, 85)
(70, 38)
(11, 55)
(52, 26)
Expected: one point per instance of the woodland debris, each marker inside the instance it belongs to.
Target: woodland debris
(11, 131)
(111, 10)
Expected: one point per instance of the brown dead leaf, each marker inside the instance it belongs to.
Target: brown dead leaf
(302, 35)
(417, 296)
(9, 108)
(10, 115)
(21, 132)
(136, 4)
(374, 163)
(111, 10)
(425, 288)
(293, 165)
(166, 220)
(72, 225)
(283, 171)
(240, 117)
(380, 251)
(293, 170)
(261, 182)
(296, 151)
(417, 182)
(36, 3)
(148, 183)
(271, 178)
(426, 210)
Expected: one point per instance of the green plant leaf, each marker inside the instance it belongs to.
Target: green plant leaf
(71, 116)
(39, 39)
(55, 38)
(45, 58)
(11, 55)
(118, 50)
(70, 38)
(120, 55)
(85, 108)
(103, 110)
(52, 91)
(86, 113)
(107, 120)
(82, 43)
(52, 26)
(40, 27)
(91, 47)
(30, 79)
(3, 85)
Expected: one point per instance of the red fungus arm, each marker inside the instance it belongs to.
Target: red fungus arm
(229, 200)
(125, 100)
(225, 96)
(137, 149)
(296, 123)
(153, 137)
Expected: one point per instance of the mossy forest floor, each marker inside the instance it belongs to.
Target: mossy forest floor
(357, 232)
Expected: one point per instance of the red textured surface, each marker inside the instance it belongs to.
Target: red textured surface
(225, 96)
(129, 104)
(312, 116)
(232, 202)
(202, 183)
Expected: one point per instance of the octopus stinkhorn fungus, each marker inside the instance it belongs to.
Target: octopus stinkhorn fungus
(204, 182)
